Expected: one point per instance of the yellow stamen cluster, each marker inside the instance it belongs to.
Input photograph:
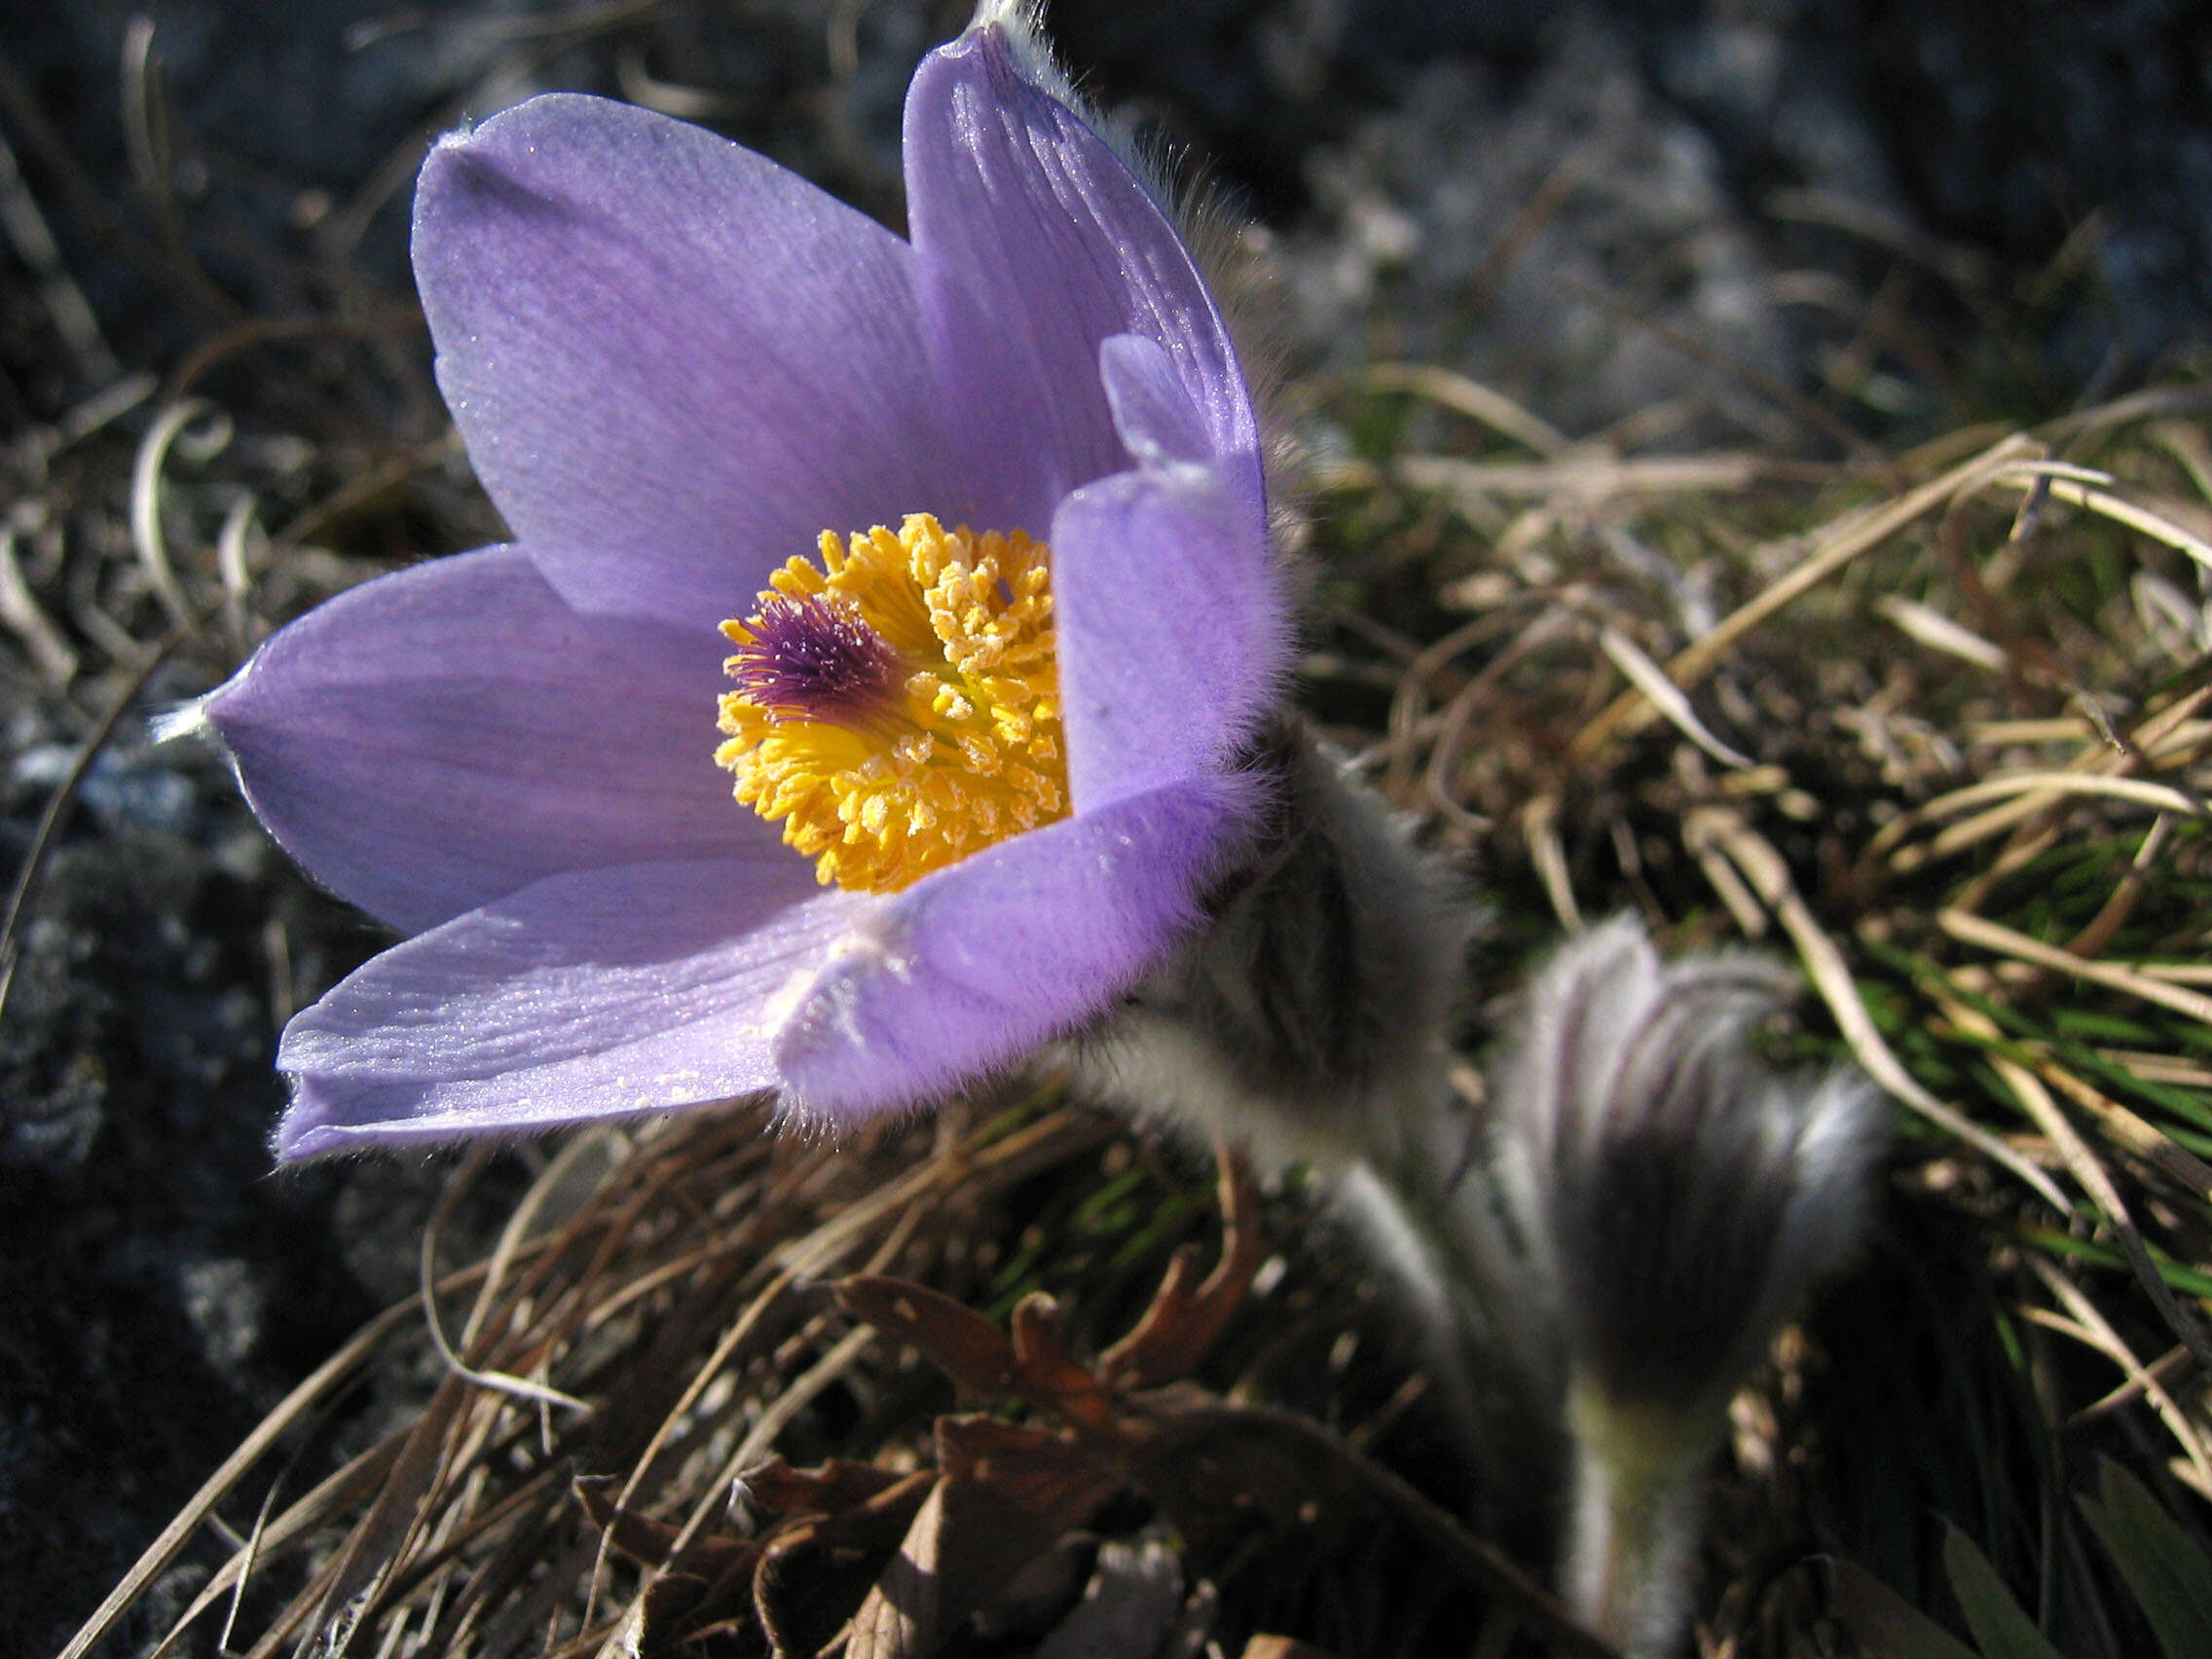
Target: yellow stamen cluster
(961, 749)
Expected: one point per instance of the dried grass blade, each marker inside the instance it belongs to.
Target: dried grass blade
(2145, 1139)
(233, 565)
(1539, 827)
(2107, 501)
(1408, 703)
(525, 1622)
(1583, 476)
(2035, 1100)
(2032, 472)
(335, 1493)
(2034, 794)
(2092, 938)
(374, 1546)
(2141, 405)
(1769, 877)
(2053, 786)
(2149, 1067)
(1739, 901)
(479, 1600)
(2062, 728)
(296, 1612)
(51, 653)
(542, 1492)
(1837, 545)
(1666, 696)
(1471, 398)
(1938, 632)
(2106, 757)
(1993, 937)
(787, 1405)
(2171, 724)
(987, 1167)
(760, 1440)
(801, 1260)
(2109, 1342)
(2131, 1389)
(740, 1329)
(147, 537)
(497, 1382)
(556, 1172)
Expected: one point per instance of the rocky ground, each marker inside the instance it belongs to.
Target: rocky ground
(1604, 211)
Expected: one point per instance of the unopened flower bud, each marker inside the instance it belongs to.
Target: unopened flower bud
(1677, 1199)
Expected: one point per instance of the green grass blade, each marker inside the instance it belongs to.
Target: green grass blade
(1884, 1623)
(2001, 1629)
(2163, 1566)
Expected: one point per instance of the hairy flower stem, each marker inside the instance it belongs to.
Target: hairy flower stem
(1408, 1197)
(1632, 1538)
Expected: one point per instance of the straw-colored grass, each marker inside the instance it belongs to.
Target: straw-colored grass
(1936, 728)
(596, 1431)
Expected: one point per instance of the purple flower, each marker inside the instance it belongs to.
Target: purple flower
(679, 369)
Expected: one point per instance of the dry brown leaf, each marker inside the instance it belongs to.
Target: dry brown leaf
(959, 1341)
(814, 1571)
(837, 1485)
(1045, 1372)
(1008, 1494)
(1185, 1321)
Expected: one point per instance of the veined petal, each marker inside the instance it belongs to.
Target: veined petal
(1034, 243)
(1172, 629)
(588, 996)
(440, 737)
(973, 967)
(1153, 412)
(675, 363)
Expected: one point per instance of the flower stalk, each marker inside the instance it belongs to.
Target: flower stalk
(1638, 1504)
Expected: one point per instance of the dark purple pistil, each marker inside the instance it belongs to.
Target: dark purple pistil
(815, 659)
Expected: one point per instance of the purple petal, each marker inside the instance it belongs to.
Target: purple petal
(596, 995)
(1172, 628)
(1153, 412)
(973, 967)
(673, 362)
(1035, 243)
(437, 738)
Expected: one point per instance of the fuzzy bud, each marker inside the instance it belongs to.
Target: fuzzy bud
(1677, 1200)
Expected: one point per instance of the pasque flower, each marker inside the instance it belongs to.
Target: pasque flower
(1675, 1199)
(983, 513)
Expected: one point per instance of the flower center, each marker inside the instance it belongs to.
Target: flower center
(898, 705)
